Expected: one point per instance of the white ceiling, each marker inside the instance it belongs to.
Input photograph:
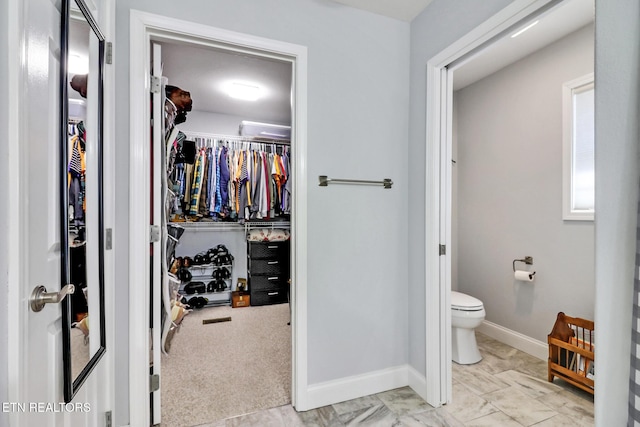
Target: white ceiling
(202, 71)
(557, 23)
(404, 10)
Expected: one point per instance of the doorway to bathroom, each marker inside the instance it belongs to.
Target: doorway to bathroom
(497, 175)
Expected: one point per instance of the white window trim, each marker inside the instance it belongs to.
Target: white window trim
(567, 149)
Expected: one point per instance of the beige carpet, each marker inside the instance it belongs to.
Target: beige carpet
(218, 370)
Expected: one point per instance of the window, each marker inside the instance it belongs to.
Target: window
(578, 150)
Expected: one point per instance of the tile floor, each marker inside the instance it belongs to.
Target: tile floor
(507, 388)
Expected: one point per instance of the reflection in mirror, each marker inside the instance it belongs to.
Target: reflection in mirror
(82, 218)
(77, 70)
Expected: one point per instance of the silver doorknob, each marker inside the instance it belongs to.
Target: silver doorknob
(40, 297)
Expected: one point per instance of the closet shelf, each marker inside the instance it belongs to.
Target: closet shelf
(214, 299)
(208, 225)
(231, 226)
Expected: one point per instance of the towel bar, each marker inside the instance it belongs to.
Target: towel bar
(325, 180)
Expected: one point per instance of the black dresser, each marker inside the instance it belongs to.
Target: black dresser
(268, 271)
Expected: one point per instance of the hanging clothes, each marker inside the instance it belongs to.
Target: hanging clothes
(233, 181)
(76, 173)
(196, 186)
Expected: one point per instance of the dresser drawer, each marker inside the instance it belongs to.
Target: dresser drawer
(266, 266)
(269, 250)
(267, 282)
(268, 297)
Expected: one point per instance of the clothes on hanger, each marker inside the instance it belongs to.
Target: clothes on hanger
(233, 181)
(76, 172)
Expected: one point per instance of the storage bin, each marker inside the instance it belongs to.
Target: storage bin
(265, 266)
(240, 299)
(268, 250)
(268, 297)
(260, 283)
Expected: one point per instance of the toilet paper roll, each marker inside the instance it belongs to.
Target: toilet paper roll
(524, 276)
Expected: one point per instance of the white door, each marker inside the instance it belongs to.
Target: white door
(35, 357)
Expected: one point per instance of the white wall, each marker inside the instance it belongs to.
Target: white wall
(439, 25)
(509, 168)
(358, 103)
(617, 174)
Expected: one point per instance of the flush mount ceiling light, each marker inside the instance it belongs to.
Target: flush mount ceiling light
(243, 91)
(524, 29)
(77, 64)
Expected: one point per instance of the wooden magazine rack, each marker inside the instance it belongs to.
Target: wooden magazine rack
(573, 359)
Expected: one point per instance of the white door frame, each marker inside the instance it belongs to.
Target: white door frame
(143, 28)
(438, 186)
(15, 260)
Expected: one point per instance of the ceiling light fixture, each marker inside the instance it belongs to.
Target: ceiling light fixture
(77, 64)
(244, 91)
(524, 29)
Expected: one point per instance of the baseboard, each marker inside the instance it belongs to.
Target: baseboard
(515, 339)
(417, 382)
(344, 389)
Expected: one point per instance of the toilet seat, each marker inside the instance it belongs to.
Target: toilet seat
(464, 302)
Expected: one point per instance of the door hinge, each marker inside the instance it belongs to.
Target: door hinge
(108, 54)
(154, 383)
(155, 84)
(108, 422)
(443, 249)
(154, 234)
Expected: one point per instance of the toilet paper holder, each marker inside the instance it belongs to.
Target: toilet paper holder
(527, 260)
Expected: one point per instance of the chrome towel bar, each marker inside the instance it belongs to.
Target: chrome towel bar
(325, 180)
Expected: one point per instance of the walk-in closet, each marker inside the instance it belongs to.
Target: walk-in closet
(225, 197)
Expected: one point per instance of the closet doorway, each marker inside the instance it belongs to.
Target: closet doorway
(207, 131)
(228, 190)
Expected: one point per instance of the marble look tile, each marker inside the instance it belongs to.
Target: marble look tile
(221, 423)
(573, 390)
(493, 420)
(559, 421)
(493, 364)
(477, 379)
(267, 418)
(403, 401)
(494, 347)
(432, 418)
(290, 417)
(502, 357)
(533, 387)
(519, 406)
(572, 406)
(377, 415)
(321, 417)
(467, 405)
(531, 365)
(356, 404)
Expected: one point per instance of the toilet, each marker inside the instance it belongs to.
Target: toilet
(467, 313)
